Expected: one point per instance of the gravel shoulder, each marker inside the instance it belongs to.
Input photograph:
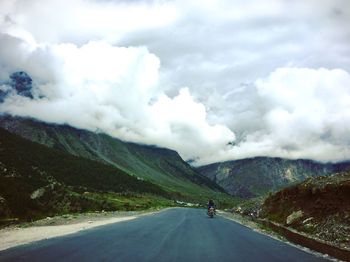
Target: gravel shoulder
(62, 225)
(266, 231)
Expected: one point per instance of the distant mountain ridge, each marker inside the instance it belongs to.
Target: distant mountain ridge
(253, 177)
(160, 166)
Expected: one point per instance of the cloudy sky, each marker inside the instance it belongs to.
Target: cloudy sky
(213, 79)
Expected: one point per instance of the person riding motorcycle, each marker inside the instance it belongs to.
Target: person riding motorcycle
(211, 204)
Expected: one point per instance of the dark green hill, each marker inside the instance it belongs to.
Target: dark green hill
(36, 180)
(319, 206)
(160, 166)
(254, 177)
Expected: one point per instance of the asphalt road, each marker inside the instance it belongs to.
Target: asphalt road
(173, 235)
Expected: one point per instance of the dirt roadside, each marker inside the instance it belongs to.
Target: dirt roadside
(62, 225)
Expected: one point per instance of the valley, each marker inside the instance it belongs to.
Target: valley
(47, 170)
(157, 165)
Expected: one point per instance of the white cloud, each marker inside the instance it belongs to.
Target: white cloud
(307, 115)
(189, 75)
(115, 90)
(84, 20)
(182, 122)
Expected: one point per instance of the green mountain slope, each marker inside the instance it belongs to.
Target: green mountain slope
(254, 177)
(157, 165)
(36, 181)
(319, 206)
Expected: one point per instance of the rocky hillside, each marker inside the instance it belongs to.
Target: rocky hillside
(249, 178)
(37, 181)
(19, 82)
(157, 165)
(319, 207)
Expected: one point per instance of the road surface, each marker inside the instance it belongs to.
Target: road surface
(177, 234)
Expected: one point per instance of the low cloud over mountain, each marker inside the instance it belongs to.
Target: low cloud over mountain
(214, 80)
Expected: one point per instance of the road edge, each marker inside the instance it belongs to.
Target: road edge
(275, 236)
(17, 236)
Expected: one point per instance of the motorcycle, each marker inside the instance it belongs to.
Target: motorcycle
(211, 212)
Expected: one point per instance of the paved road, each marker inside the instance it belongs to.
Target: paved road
(173, 235)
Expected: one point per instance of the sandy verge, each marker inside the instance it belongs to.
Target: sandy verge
(14, 236)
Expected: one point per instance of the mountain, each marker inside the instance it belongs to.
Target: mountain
(253, 177)
(159, 166)
(20, 83)
(319, 207)
(37, 181)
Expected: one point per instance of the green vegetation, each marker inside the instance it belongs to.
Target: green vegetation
(37, 181)
(159, 166)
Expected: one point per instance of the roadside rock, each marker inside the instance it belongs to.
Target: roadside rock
(306, 221)
(38, 193)
(295, 216)
(4, 209)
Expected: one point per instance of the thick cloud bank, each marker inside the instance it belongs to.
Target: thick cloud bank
(115, 90)
(305, 114)
(214, 80)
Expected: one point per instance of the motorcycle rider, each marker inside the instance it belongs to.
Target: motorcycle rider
(211, 204)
